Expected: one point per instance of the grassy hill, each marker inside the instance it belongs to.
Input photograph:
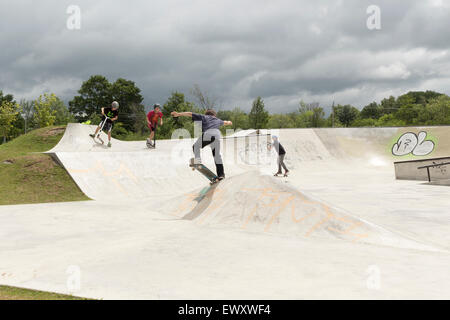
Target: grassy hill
(27, 176)
(12, 293)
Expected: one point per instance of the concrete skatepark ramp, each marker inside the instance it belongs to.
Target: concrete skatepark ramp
(129, 171)
(158, 230)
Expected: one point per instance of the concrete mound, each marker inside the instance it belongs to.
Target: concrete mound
(261, 203)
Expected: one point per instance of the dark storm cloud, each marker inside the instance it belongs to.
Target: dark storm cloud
(283, 51)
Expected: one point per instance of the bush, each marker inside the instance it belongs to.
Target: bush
(119, 131)
(368, 122)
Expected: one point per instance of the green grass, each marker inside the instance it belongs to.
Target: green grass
(32, 177)
(12, 293)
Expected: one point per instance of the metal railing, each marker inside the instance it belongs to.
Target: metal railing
(433, 166)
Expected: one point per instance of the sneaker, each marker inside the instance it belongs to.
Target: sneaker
(277, 174)
(150, 144)
(109, 144)
(197, 161)
(221, 178)
(92, 135)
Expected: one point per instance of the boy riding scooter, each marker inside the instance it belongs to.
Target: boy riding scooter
(152, 123)
(109, 115)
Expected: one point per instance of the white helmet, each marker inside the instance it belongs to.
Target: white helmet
(115, 105)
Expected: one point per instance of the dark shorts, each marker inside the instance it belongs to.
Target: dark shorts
(107, 127)
(153, 127)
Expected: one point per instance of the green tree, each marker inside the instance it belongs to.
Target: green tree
(7, 97)
(365, 122)
(138, 118)
(237, 116)
(438, 111)
(258, 116)
(279, 121)
(388, 105)
(119, 131)
(317, 117)
(389, 120)
(224, 115)
(409, 113)
(240, 119)
(98, 92)
(94, 94)
(311, 115)
(405, 100)
(305, 107)
(176, 102)
(418, 97)
(44, 114)
(346, 114)
(371, 111)
(62, 114)
(303, 119)
(129, 97)
(408, 110)
(173, 103)
(18, 125)
(27, 113)
(8, 113)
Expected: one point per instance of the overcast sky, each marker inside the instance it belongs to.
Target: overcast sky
(283, 51)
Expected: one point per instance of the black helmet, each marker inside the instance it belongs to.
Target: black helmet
(157, 105)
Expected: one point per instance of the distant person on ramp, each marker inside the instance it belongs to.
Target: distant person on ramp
(210, 136)
(152, 123)
(109, 115)
(281, 154)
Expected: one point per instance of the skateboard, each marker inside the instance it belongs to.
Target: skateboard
(205, 171)
(281, 175)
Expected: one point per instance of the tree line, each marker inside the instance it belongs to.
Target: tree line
(414, 108)
(17, 118)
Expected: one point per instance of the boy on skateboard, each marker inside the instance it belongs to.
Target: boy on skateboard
(210, 136)
(152, 123)
(109, 115)
(281, 154)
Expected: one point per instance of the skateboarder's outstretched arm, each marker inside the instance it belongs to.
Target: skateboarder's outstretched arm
(189, 114)
(181, 114)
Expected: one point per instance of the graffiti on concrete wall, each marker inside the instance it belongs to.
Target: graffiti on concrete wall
(411, 143)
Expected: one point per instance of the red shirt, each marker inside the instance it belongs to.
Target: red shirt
(153, 117)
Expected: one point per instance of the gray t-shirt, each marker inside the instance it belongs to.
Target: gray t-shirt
(208, 122)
